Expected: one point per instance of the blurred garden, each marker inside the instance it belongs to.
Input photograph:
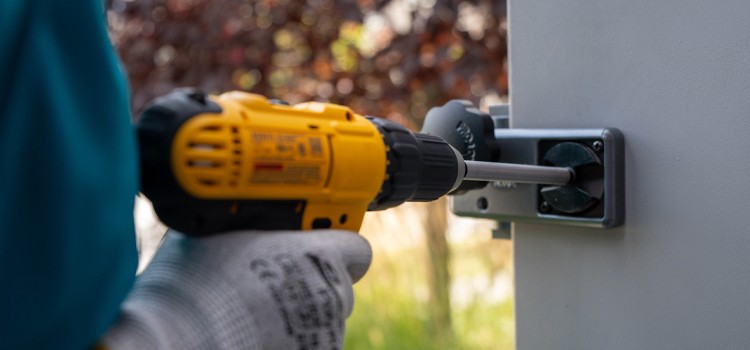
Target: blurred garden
(437, 281)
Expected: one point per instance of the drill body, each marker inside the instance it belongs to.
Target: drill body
(241, 161)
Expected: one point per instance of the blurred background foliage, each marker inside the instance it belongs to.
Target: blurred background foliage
(437, 281)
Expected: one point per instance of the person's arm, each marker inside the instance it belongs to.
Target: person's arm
(68, 176)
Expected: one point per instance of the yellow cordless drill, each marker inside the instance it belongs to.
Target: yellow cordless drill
(240, 161)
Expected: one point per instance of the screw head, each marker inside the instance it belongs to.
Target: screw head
(598, 146)
(544, 207)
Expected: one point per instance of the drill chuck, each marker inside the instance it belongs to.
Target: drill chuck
(420, 167)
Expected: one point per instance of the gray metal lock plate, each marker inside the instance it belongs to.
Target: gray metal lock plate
(596, 199)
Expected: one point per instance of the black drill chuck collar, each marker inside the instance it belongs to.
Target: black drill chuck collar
(420, 167)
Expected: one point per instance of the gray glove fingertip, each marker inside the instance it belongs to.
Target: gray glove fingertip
(356, 253)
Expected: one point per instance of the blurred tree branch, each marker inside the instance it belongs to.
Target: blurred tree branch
(348, 52)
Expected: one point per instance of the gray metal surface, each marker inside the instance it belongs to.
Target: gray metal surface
(674, 76)
(521, 173)
(518, 201)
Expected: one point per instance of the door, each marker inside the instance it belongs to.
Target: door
(674, 77)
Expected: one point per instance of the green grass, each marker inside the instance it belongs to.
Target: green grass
(391, 304)
(387, 319)
(390, 319)
(486, 326)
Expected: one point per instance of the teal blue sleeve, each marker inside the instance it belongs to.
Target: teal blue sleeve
(67, 176)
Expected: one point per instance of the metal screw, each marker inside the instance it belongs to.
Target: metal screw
(598, 146)
(544, 207)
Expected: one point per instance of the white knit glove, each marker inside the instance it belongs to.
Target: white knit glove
(244, 290)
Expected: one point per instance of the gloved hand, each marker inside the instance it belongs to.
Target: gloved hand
(244, 290)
